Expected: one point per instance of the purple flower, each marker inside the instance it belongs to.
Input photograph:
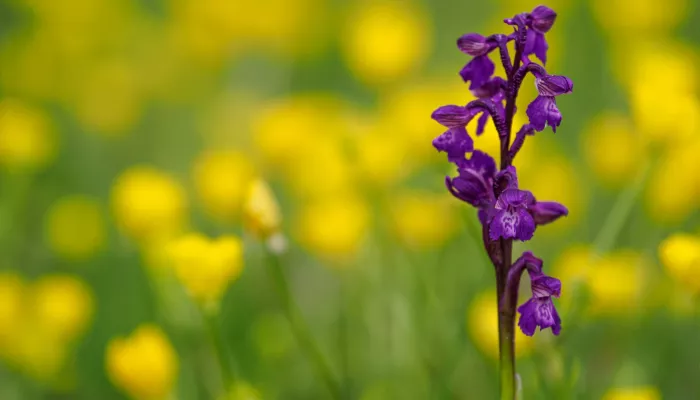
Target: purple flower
(540, 21)
(539, 309)
(475, 181)
(456, 142)
(473, 44)
(543, 110)
(511, 219)
(492, 90)
(478, 71)
(544, 212)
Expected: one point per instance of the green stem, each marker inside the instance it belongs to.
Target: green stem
(299, 328)
(222, 355)
(506, 325)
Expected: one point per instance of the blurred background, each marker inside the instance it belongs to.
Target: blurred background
(126, 124)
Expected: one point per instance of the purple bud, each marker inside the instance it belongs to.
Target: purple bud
(543, 18)
(452, 116)
(545, 212)
(473, 44)
(554, 85)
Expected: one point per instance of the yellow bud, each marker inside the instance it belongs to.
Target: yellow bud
(333, 227)
(206, 267)
(261, 211)
(75, 227)
(26, 136)
(221, 179)
(482, 325)
(148, 203)
(63, 305)
(422, 220)
(385, 40)
(144, 364)
(636, 393)
(680, 256)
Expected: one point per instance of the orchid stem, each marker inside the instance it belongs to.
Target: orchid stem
(299, 328)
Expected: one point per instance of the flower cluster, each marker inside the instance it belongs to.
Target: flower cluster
(505, 210)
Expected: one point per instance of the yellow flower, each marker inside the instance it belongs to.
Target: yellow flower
(261, 211)
(26, 136)
(385, 40)
(286, 128)
(110, 98)
(573, 267)
(617, 285)
(482, 325)
(640, 16)
(11, 308)
(63, 305)
(556, 179)
(148, 203)
(680, 255)
(205, 267)
(613, 148)
(39, 323)
(635, 393)
(324, 171)
(333, 227)
(75, 227)
(381, 157)
(423, 220)
(221, 179)
(144, 365)
(673, 190)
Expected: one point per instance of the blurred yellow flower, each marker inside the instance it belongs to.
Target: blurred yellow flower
(680, 256)
(618, 283)
(640, 16)
(241, 391)
(490, 143)
(386, 40)
(573, 267)
(382, 157)
(633, 393)
(556, 179)
(75, 227)
(423, 220)
(144, 364)
(333, 227)
(286, 128)
(261, 212)
(40, 322)
(63, 305)
(325, 170)
(148, 203)
(205, 267)
(673, 191)
(110, 98)
(482, 325)
(613, 148)
(221, 179)
(26, 136)
(12, 290)
(404, 116)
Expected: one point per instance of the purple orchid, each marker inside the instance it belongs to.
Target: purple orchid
(506, 211)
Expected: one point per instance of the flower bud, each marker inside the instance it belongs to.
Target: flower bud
(261, 211)
(543, 18)
(554, 85)
(473, 44)
(545, 212)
